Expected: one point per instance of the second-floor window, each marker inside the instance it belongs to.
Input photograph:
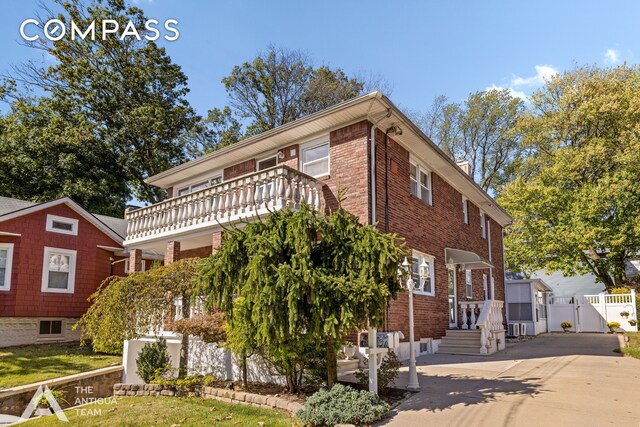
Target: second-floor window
(315, 160)
(60, 224)
(58, 270)
(267, 163)
(200, 185)
(420, 178)
(483, 225)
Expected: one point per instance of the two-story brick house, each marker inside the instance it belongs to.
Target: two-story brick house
(53, 256)
(395, 176)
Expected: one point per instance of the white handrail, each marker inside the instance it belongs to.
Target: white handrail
(243, 197)
(489, 321)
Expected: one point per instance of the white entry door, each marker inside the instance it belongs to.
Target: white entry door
(453, 300)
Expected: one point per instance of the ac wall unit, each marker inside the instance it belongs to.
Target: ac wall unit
(523, 329)
(514, 329)
(426, 345)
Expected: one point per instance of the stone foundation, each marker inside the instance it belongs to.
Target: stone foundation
(223, 395)
(26, 330)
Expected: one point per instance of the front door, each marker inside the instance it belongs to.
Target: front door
(453, 300)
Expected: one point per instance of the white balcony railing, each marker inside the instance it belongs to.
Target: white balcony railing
(242, 198)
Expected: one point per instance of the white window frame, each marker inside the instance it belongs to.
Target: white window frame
(56, 218)
(468, 281)
(7, 271)
(48, 251)
(421, 169)
(310, 146)
(189, 188)
(419, 287)
(465, 210)
(483, 225)
(258, 161)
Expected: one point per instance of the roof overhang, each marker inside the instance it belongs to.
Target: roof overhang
(374, 107)
(75, 207)
(538, 284)
(467, 260)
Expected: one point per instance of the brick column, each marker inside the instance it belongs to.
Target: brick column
(135, 260)
(173, 253)
(216, 241)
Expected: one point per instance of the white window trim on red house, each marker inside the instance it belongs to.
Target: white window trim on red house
(64, 220)
(9, 263)
(421, 169)
(310, 146)
(418, 257)
(465, 210)
(45, 270)
(468, 279)
(483, 225)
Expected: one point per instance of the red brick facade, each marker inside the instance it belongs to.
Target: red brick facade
(426, 228)
(93, 264)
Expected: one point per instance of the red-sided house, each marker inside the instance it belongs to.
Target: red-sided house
(396, 177)
(53, 256)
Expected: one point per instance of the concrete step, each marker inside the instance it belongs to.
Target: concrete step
(458, 349)
(463, 332)
(461, 340)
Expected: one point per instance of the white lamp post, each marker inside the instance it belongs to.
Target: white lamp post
(413, 383)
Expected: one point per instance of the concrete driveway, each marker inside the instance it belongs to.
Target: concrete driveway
(554, 379)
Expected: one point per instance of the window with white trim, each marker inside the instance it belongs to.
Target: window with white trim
(267, 163)
(420, 178)
(468, 277)
(6, 262)
(60, 224)
(423, 286)
(483, 225)
(58, 270)
(315, 160)
(50, 327)
(465, 210)
(200, 185)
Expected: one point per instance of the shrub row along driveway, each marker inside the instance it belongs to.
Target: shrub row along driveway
(555, 379)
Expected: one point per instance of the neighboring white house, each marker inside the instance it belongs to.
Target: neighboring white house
(526, 301)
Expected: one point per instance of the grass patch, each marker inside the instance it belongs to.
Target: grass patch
(33, 363)
(634, 345)
(166, 411)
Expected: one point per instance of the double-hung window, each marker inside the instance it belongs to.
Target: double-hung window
(315, 160)
(420, 178)
(58, 270)
(469, 282)
(483, 225)
(423, 285)
(6, 261)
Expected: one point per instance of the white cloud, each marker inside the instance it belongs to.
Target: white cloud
(612, 57)
(519, 86)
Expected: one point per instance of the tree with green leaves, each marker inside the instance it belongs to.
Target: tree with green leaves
(299, 279)
(480, 130)
(126, 93)
(281, 85)
(128, 307)
(576, 207)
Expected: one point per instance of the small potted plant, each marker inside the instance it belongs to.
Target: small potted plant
(633, 322)
(566, 326)
(624, 314)
(44, 406)
(613, 326)
(349, 350)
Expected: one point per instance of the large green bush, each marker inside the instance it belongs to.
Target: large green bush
(153, 360)
(342, 405)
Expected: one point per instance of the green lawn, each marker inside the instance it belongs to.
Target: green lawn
(166, 411)
(33, 363)
(634, 345)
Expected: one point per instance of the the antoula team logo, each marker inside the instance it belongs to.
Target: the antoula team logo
(51, 400)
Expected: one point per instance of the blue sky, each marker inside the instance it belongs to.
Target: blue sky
(422, 48)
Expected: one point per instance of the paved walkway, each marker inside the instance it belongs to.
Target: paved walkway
(552, 380)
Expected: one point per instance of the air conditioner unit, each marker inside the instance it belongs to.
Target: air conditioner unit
(426, 345)
(514, 329)
(523, 328)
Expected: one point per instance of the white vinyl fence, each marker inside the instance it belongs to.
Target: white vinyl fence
(592, 313)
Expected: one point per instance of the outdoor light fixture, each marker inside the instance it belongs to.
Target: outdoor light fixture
(413, 383)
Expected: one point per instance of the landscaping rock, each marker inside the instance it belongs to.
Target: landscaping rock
(167, 393)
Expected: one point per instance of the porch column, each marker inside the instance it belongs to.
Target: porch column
(216, 241)
(135, 260)
(173, 253)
